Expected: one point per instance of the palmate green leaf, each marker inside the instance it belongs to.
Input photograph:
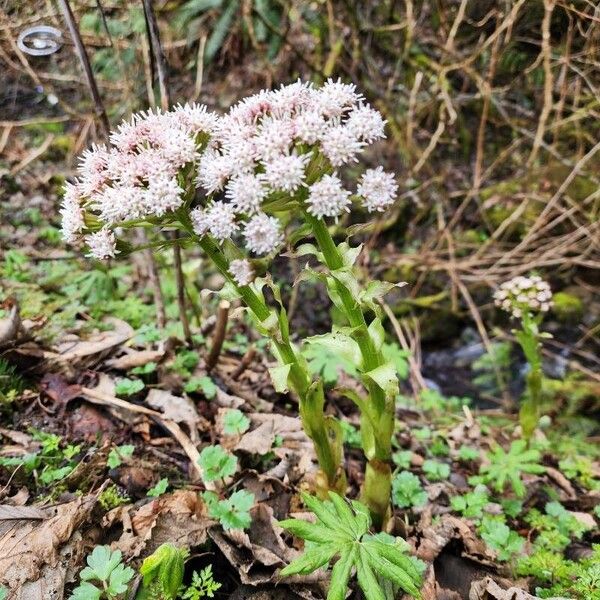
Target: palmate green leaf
(342, 532)
(366, 578)
(508, 466)
(340, 574)
(311, 560)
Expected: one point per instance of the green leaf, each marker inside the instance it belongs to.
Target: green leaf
(128, 387)
(116, 455)
(389, 570)
(340, 574)
(201, 384)
(101, 563)
(385, 377)
(341, 530)
(220, 31)
(235, 422)
(366, 578)
(216, 463)
(508, 466)
(407, 490)
(234, 513)
(311, 560)
(159, 489)
(86, 591)
(279, 377)
(118, 580)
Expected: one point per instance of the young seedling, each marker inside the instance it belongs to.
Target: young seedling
(500, 538)
(216, 463)
(507, 467)
(162, 573)
(203, 585)
(527, 299)
(104, 578)
(407, 491)
(235, 422)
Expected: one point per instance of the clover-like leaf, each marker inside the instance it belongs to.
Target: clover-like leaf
(235, 422)
(216, 463)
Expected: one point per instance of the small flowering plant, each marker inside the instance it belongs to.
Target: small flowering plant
(527, 299)
(263, 177)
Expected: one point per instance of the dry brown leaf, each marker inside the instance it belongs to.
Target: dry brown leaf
(259, 440)
(176, 408)
(31, 544)
(10, 326)
(72, 350)
(134, 359)
(177, 518)
(435, 536)
(488, 589)
(257, 553)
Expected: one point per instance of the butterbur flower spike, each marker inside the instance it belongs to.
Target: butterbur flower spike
(229, 183)
(524, 294)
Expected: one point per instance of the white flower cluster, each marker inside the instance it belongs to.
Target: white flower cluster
(274, 143)
(524, 294)
(276, 146)
(136, 176)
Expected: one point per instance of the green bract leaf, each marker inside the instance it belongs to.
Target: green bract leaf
(279, 377)
(348, 253)
(340, 344)
(341, 530)
(377, 333)
(385, 377)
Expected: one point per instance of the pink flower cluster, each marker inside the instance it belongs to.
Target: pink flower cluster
(268, 144)
(289, 143)
(136, 177)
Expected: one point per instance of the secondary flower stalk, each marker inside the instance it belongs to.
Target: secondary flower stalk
(527, 299)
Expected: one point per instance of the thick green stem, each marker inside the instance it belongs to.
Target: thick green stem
(376, 440)
(316, 424)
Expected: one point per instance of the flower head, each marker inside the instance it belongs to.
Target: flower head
(246, 192)
(71, 213)
(328, 198)
(523, 295)
(101, 244)
(366, 123)
(241, 270)
(377, 189)
(286, 172)
(218, 218)
(341, 145)
(262, 234)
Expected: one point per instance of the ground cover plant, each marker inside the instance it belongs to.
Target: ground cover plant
(323, 325)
